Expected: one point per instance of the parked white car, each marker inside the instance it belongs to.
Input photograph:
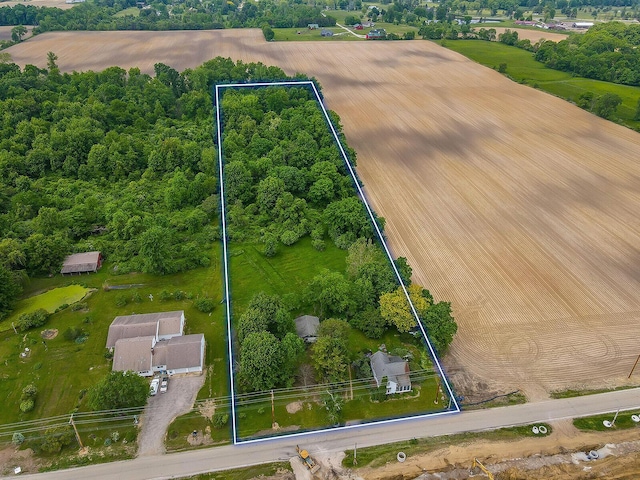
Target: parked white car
(153, 390)
(164, 384)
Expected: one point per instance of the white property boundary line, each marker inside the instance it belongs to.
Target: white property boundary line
(455, 408)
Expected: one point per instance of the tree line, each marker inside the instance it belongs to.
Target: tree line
(117, 161)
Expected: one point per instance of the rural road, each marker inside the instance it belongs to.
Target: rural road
(221, 458)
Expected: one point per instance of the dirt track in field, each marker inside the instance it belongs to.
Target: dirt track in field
(519, 208)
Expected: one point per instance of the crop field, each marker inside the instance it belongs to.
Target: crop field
(518, 207)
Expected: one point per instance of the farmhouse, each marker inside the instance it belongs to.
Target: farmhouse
(377, 34)
(154, 342)
(82, 263)
(395, 369)
(307, 328)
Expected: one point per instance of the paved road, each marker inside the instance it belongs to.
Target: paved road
(221, 458)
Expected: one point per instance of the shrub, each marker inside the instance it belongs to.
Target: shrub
(72, 333)
(115, 436)
(61, 307)
(205, 305)
(319, 245)
(79, 306)
(289, 237)
(317, 233)
(32, 320)
(37, 366)
(27, 405)
(220, 419)
(30, 391)
(270, 246)
(345, 240)
(261, 410)
(121, 301)
(17, 439)
(379, 394)
(179, 295)
(107, 442)
(164, 295)
(55, 439)
(136, 297)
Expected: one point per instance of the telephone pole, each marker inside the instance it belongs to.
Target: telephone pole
(73, 424)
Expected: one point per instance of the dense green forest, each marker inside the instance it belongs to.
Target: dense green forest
(607, 51)
(117, 161)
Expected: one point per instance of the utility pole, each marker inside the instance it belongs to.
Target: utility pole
(273, 411)
(634, 365)
(437, 390)
(73, 424)
(14, 328)
(355, 454)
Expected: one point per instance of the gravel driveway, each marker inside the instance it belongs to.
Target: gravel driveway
(163, 408)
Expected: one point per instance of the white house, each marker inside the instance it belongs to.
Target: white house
(395, 369)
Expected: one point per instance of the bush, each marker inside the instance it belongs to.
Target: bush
(30, 391)
(121, 300)
(220, 419)
(205, 305)
(72, 333)
(344, 241)
(317, 233)
(136, 297)
(179, 295)
(79, 306)
(61, 307)
(289, 237)
(55, 439)
(270, 246)
(17, 439)
(119, 390)
(115, 436)
(164, 295)
(27, 405)
(32, 320)
(319, 245)
(379, 394)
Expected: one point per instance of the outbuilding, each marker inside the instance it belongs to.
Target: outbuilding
(85, 262)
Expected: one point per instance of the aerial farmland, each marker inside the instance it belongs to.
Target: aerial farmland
(516, 206)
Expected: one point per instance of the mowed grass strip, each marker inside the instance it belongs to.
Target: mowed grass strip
(523, 68)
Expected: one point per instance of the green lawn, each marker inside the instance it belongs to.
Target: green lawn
(523, 68)
(132, 11)
(623, 422)
(49, 300)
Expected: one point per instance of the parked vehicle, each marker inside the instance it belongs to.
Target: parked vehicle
(164, 385)
(309, 462)
(153, 390)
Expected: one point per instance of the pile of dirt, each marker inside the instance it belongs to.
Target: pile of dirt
(49, 334)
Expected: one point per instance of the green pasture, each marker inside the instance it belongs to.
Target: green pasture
(523, 68)
(50, 301)
(131, 11)
(63, 370)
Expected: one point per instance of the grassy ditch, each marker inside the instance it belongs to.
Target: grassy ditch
(380, 455)
(569, 393)
(523, 68)
(623, 422)
(247, 473)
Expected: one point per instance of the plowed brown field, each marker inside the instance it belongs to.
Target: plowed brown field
(519, 208)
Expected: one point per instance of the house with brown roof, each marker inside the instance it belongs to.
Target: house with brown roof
(82, 263)
(394, 369)
(134, 354)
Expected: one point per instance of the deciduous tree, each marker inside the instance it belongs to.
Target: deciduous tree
(119, 390)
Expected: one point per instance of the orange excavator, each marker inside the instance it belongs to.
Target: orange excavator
(477, 463)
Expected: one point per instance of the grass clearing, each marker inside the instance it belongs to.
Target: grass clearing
(246, 473)
(570, 393)
(50, 301)
(131, 11)
(523, 68)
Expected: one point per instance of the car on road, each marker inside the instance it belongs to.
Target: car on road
(153, 389)
(164, 385)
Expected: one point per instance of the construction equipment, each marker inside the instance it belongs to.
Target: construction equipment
(309, 462)
(476, 463)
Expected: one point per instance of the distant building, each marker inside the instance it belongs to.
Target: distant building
(582, 24)
(313, 26)
(82, 263)
(307, 328)
(394, 369)
(377, 34)
(326, 33)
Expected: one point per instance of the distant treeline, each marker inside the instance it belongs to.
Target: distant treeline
(608, 51)
(99, 15)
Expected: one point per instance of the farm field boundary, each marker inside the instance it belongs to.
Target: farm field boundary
(453, 405)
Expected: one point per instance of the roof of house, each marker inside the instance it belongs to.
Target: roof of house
(133, 354)
(128, 326)
(184, 351)
(396, 369)
(307, 326)
(81, 262)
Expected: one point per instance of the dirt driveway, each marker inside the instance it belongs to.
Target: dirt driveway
(163, 408)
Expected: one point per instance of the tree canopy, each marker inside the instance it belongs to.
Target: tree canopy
(119, 390)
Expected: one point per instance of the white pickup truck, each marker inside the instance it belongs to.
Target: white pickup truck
(153, 390)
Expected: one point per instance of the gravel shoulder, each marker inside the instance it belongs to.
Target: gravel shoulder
(162, 409)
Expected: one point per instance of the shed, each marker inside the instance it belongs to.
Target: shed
(307, 328)
(326, 33)
(82, 263)
(395, 369)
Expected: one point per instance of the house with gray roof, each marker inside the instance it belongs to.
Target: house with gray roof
(394, 369)
(161, 325)
(85, 262)
(307, 328)
(153, 342)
